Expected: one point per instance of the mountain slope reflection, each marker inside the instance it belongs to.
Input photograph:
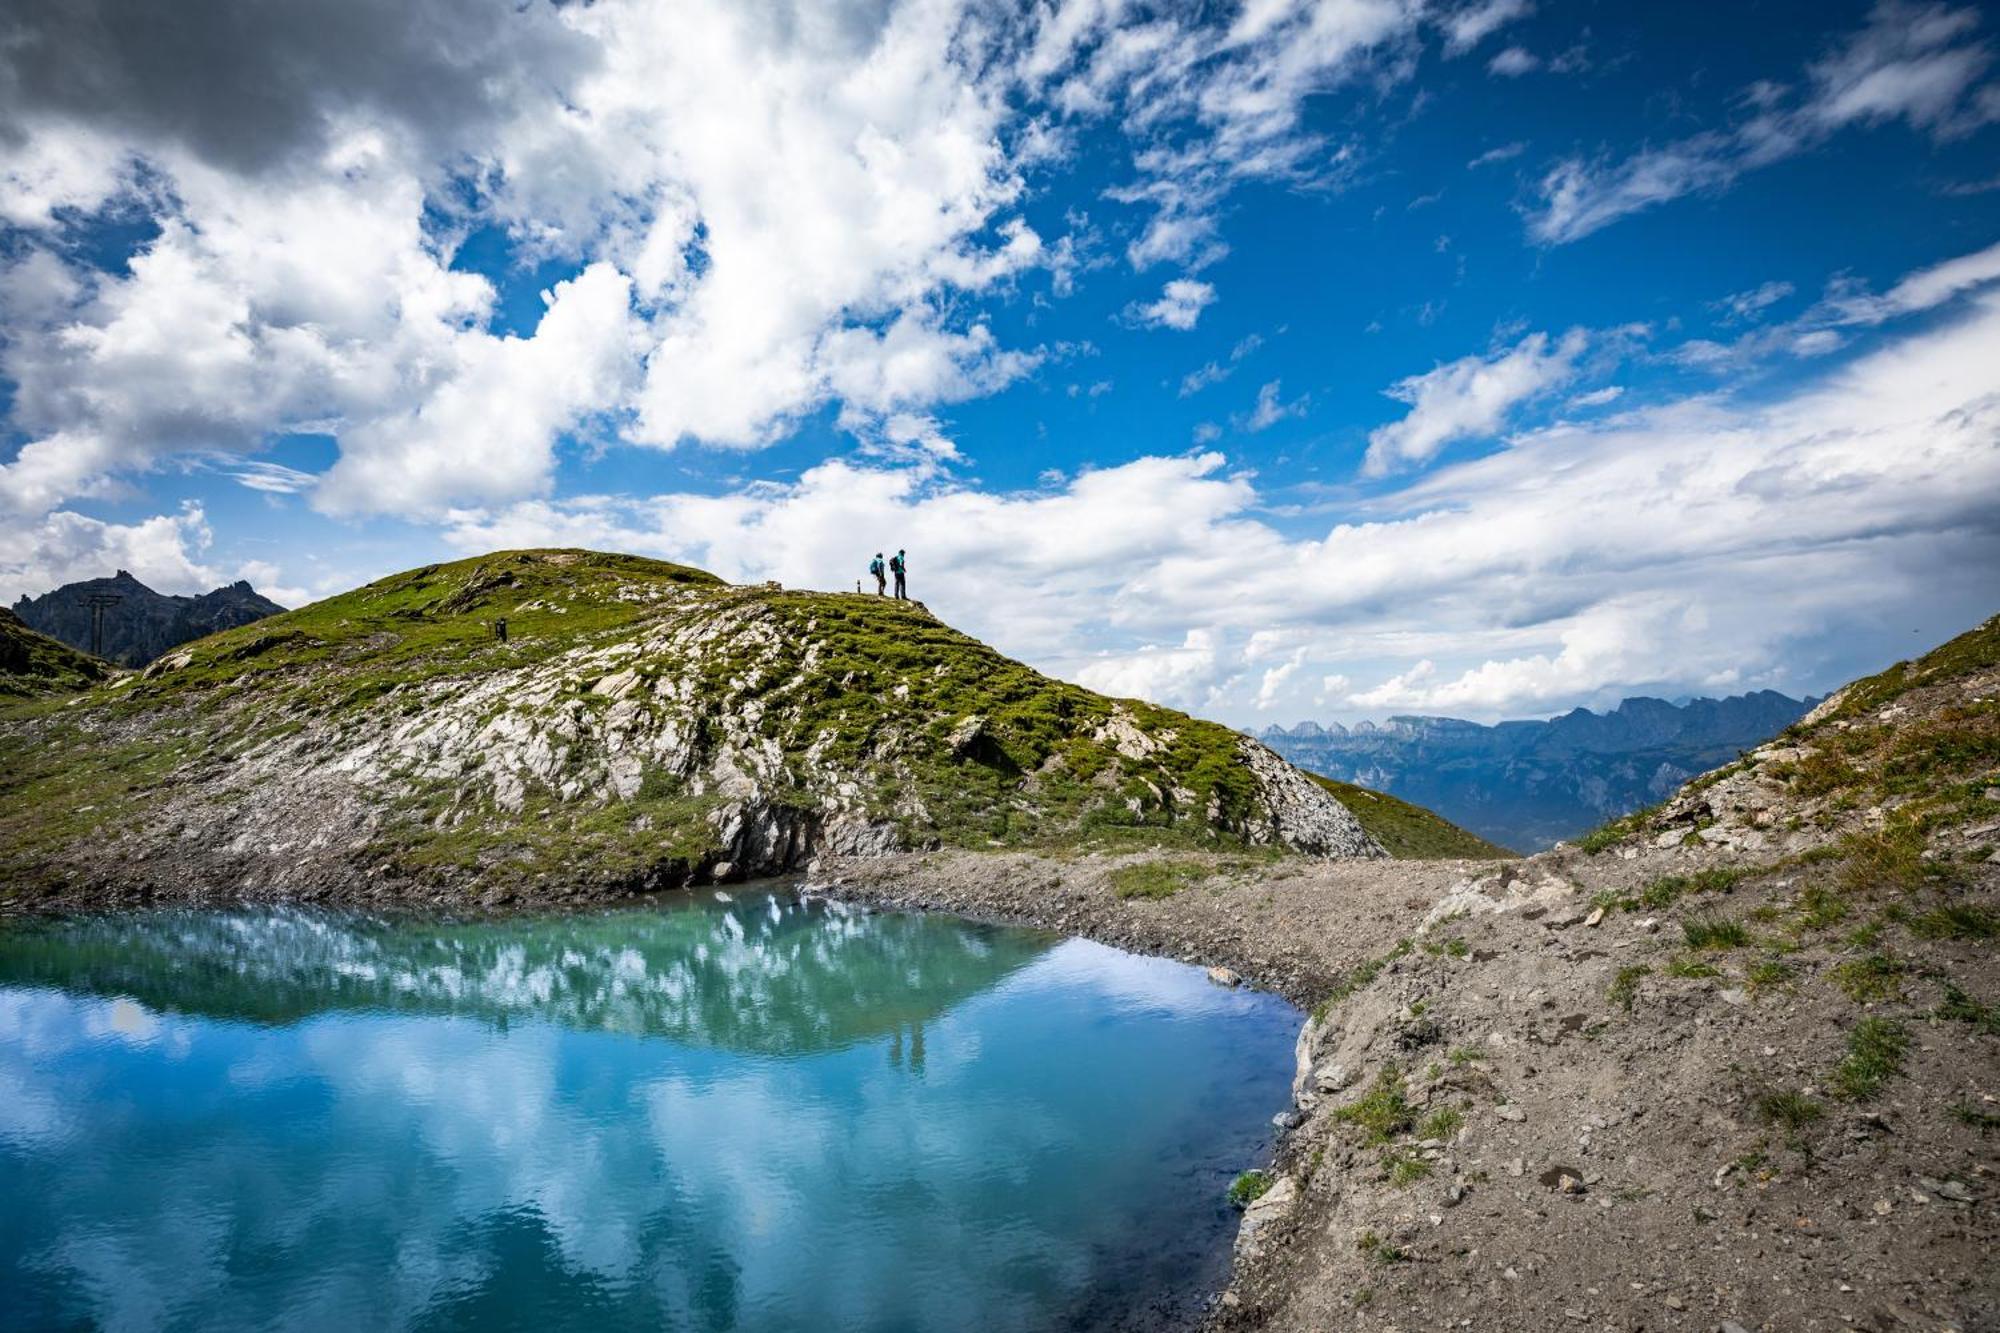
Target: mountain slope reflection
(763, 973)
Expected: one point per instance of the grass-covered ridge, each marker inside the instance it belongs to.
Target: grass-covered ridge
(34, 664)
(1409, 832)
(641, 722)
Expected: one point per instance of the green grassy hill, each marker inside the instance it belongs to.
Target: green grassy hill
(1409, 832)
(641, 723)
(33, 664)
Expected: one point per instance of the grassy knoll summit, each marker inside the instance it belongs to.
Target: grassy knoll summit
(641, 724)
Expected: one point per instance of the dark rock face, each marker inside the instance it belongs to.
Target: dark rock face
(143, 624)
(1526, 785)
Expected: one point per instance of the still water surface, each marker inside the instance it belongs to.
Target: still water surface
(730, 1112)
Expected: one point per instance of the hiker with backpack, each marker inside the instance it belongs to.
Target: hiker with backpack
(876, 568)
(899, 565)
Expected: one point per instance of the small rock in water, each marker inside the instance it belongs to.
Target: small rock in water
(1222, 976)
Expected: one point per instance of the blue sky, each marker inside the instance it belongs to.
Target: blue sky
(1279, 360)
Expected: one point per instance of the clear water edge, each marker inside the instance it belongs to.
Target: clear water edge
(736, 1110)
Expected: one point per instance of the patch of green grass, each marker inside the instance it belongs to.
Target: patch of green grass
(1441, 1123)
(1409, 832)
(1451, 948)
(1465, 1055)
(1766, 973)
(1406, 1167)
(1382, 1113)
(1968, 1114)
(1687, 965)
(1612, 832)
(1975, 650)
(1788, 1110)
(1889, 857)
(1956, 921)
(1875, 1051)
(1361, 976)
(1155, 879)
(1959, 1007)
(1869, 978)
(1715, 932)
(1624, 990)
(1821, 905)
(1249, 1187)
(1378, 1249)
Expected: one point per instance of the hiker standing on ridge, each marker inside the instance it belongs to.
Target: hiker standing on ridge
(876, 568)
(899, 565)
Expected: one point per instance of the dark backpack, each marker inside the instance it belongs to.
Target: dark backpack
(896, 563)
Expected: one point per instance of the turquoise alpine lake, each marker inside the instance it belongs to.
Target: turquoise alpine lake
(743, 1110)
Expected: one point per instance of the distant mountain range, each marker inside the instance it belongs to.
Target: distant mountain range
(141, 624)
(1526, 785)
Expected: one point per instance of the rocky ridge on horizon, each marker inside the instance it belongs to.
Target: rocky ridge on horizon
(1527, 784)
(142, 624)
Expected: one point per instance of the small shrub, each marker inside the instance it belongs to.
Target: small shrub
(1624, 989)
(1249, 1187)
(1714, 932)
(1875, 1050)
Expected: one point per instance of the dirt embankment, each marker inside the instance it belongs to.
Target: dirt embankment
(1659, 1088)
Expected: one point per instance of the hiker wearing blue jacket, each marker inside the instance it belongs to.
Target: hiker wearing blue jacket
(876, 568)
(899, 565)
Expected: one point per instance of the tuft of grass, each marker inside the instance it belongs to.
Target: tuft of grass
(1889, 857)
(1359, 977)
(1441, 1123)
(1821, 905)
(1453, 948)
(1983, 1121)
(1959, 1007)
(1873, 977)
(1249, 1187)
(1624, 990)
(1381, 1251)
(1686, 965)
(1767, 973)
(1957, 921)
(1381, 1114)
(1406, 1167)
(1715, 932)
(1875, 1050)
(1155, 879)
(1465, 1055)
(1788, 1110)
